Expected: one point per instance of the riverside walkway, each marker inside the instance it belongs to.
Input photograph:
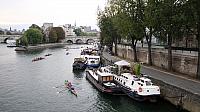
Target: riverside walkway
(187, 84)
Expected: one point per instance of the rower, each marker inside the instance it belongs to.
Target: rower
(66, 82)
(69, 84)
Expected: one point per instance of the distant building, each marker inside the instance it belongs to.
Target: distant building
(10, 31)
(69, 30)
(46, 29)
(88, 29)
(85, 28)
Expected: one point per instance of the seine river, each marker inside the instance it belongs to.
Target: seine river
(27, 86)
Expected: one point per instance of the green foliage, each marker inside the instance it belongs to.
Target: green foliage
(78, 31)
(35, 26)
(53, 36)
(168, 20)
(137, 69)
(22, 41)
(60, 33)
(33, 36)
(39, 28)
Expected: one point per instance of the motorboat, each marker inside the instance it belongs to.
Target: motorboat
(79, 64)
(92, 61)
(139, 88)
(103, 80)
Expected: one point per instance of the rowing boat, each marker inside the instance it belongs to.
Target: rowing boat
(71, 89)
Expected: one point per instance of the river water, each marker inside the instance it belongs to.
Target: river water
(27, 86)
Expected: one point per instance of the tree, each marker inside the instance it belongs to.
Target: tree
(151, 24)
(22, 41)
(192, 15)
(106, 27)
(78, 31)
(197, 4)
(39, 28)
(131, 21)
(60, 33)
(36, 27)
(34, 36)
(170, 20)
(53, 36)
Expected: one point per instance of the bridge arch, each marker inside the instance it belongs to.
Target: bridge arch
(79, 41)
(69, 41)
(5, 40)
(90, 41)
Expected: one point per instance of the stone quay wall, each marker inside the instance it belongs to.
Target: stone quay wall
(181, 63)
(40, 47)
(176, 95)
(179, 97)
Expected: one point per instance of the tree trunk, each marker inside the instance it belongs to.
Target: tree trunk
(134, 42)
(169, 52)
(198, 39)
(186, 42)
(142, 43)
(149, 52)
(115, 41)
(148, 39)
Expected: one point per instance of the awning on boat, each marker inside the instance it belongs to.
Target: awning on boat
(122, 63)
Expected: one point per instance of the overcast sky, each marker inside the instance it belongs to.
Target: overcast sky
(59, 12)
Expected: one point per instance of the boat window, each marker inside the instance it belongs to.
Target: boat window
(124, 83)
(125, 69)
(142, 81)
(111, 78)
(148, 83)
(132, 83)
(104, 78)
(108, 78)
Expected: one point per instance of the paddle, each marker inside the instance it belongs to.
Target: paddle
(62, 90)
(58, 86)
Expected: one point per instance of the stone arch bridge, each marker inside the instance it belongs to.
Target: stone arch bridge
(4, 38)
(81, 39)
(69, 39)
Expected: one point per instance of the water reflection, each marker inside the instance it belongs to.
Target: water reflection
(78, 73)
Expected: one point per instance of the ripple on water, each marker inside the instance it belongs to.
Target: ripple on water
(27, 87)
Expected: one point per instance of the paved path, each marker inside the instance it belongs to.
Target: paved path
(169, 78)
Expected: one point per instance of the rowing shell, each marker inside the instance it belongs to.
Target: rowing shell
(71, 90)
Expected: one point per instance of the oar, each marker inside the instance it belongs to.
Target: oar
(58, 86)
(62, 90)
